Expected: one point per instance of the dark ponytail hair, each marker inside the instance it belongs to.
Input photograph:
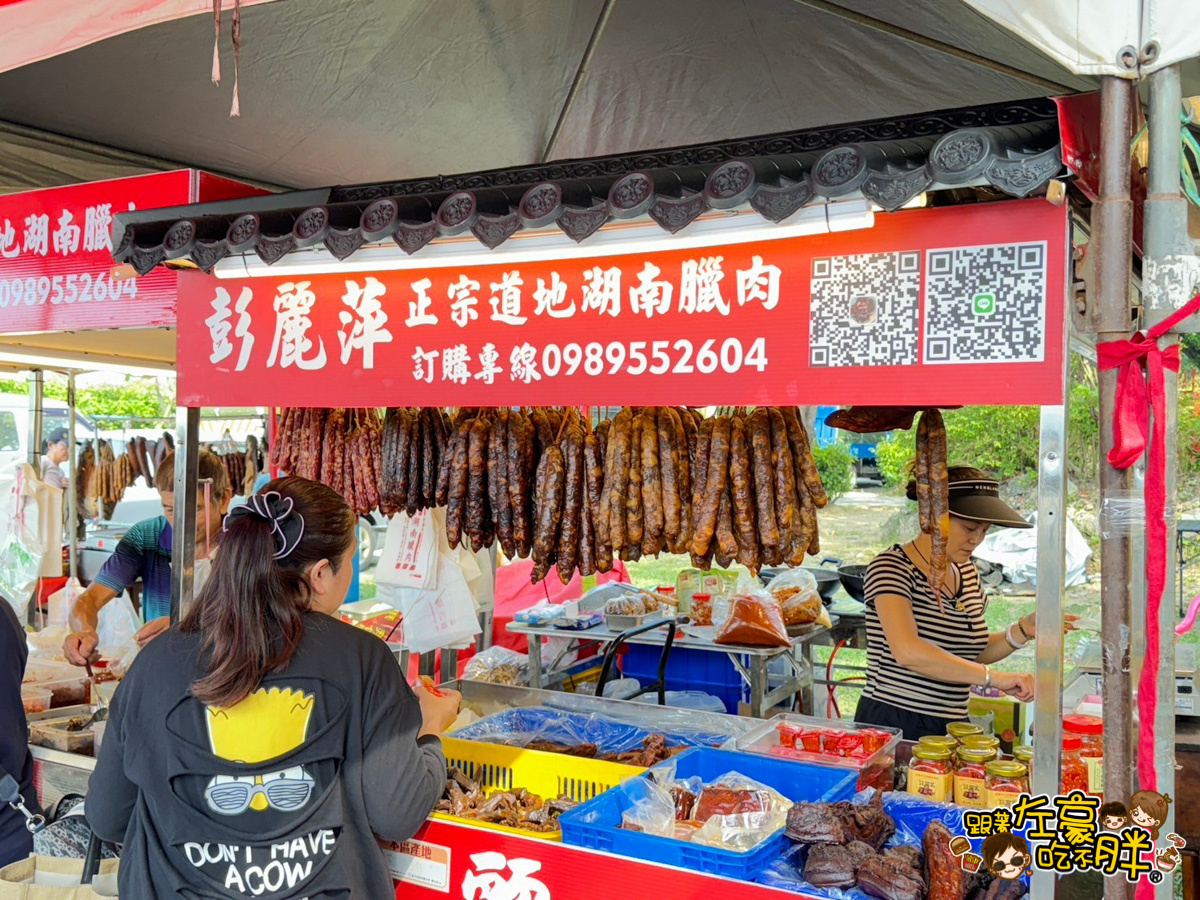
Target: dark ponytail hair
(250, 612)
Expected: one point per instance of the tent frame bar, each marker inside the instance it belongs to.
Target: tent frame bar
(585, 63)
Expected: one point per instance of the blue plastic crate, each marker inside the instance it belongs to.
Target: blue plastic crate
(609, 735)
(596, 824)
(687, 670)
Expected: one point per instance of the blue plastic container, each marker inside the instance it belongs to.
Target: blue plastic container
(609, 735)
(687, 670)
(596, 823)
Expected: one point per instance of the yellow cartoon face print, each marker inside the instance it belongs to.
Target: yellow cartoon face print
(266, 725)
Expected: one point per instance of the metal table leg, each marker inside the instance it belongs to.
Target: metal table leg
(535, 662)
(758, 685)
(449, 665)
(807, 697)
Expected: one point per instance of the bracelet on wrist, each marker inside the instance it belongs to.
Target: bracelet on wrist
(987, 678)
(1025, 634)
(1008, 637)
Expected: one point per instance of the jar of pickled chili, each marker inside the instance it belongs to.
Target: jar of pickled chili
(701, 611)
(970, 784)
(1004, 781)
(1090, 730)
(981, 741)
(931, 773)
(1074, 770)
(942, 742)
(1023, 754)
(960, 730)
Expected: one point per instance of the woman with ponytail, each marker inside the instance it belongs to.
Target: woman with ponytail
(259, 748)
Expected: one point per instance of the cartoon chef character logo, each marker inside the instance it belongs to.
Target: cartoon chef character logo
(266, 725)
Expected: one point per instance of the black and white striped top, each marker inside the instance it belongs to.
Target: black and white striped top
(962, 633)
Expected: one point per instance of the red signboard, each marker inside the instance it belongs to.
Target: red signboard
(56, 266)
(937, 306)
(463, 862)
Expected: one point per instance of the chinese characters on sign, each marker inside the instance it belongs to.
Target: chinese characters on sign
(826, 319)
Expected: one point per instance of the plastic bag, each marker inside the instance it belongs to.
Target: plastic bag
(652, 810)
(20, 565)
(498, 665)
(117, 623)
(796, 591)
(755, 618)
(738, 813)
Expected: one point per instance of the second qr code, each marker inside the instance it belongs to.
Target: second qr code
(985, 304)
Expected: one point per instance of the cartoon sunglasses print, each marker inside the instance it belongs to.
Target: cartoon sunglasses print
(286, 791)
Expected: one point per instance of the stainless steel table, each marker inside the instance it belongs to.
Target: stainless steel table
(751, 662)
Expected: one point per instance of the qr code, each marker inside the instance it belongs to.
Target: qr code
(864, 310)
(986, 304)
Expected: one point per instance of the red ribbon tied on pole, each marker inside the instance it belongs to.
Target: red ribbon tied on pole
(1140, 391)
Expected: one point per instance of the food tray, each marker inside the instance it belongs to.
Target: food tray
(54, 734)
(549, 775)
(596, 824)
(67, 684)
(877, 770)
(35, 699)
(542, 723)
(617, 623)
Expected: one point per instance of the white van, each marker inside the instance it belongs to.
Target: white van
(14, 432)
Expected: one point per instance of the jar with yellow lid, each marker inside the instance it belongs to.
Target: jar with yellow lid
(1004, 781)
(970, 785)
(931, 773)
(978, 741)
(960, 730)
(1023, 754)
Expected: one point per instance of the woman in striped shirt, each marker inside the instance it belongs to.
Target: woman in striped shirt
(923, 652)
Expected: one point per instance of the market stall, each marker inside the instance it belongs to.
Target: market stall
(755, 281)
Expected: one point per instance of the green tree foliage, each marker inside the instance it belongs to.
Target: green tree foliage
(140, 399)
(835, 466)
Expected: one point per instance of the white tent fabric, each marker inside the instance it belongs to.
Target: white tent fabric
(1097, 37)
(39, 29)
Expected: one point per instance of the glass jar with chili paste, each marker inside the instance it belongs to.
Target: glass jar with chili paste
(1090, 730)
(1023, 754)
(960, 730)
(931, 773)
(978, 741)
(970, 785)
(1004, 781)
(942, 742)
(701, 609)
(1074, 775)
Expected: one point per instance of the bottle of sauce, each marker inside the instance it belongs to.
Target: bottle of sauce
(1090, 730)
(1004, 781)
(931, 773)
(970, 784)
(701, 609)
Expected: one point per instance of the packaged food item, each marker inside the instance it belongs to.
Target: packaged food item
(930, 774)
(1074, 770)
(34, 699)
(686, 585)
(970, 785)
(498, 665)
(979, 741)
(796, 592)
(941, 742)
(701, 609)
(629, 605)
(1005, 780)
(960, 730)
(1023, 754)
(1090, 730)
(755, 620)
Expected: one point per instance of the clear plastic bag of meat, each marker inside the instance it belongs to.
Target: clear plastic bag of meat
(652, 809)
(796, 592)
(498, 665)
(738, 813)
(755, 618)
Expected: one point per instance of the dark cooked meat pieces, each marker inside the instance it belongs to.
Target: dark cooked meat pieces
(999, 889)
(890, 879)
(943, 872)
(907, 854)
(841, 823)
(586, 750)
(830, 865)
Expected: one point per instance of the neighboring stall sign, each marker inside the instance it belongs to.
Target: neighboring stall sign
(470, 863)
(935, 306)
(56, 266)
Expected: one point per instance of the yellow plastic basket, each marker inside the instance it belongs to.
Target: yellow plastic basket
(549, 775)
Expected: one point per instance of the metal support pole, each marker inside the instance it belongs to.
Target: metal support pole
(1168, 248)
(183, 540)
(585, 63)
(1109, 311)
(36, 399)
(1051, 568)
(71, 499)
